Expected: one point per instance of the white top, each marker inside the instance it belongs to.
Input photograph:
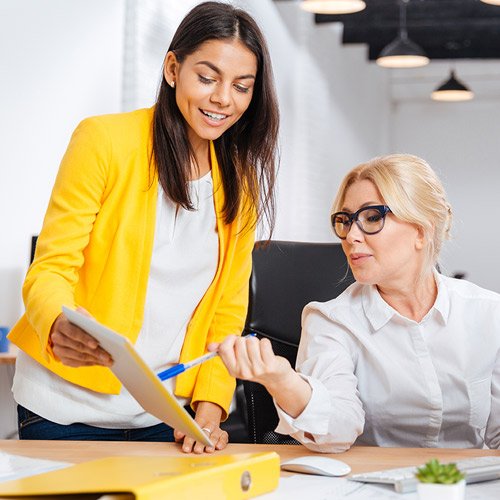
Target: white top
(184, 262)
(395, 382)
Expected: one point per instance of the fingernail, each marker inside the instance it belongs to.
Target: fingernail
(106, 360)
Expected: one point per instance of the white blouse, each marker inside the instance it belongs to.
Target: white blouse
(381, 379)
(183, 264)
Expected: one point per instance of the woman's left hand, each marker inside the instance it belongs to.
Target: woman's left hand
(208, 416)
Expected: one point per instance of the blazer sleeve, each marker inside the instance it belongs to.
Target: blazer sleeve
(74, 203)
(214, 382)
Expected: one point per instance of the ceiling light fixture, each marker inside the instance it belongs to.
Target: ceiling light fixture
(402, 52)
(452, 90)
(333, 6)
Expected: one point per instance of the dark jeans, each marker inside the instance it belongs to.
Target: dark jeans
(32, 426)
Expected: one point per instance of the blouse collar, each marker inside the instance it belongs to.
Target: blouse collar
(379, 312)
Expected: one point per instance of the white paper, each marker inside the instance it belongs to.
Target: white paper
(323, 488)
(315, 487)
(17, 466)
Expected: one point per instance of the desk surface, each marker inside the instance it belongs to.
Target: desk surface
(360, 458)
(9, 358)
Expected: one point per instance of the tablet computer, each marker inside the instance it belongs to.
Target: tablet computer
(138, 378)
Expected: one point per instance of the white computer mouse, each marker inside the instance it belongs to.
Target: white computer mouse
(317, 464)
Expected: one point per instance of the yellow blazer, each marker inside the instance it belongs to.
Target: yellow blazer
(95, 247)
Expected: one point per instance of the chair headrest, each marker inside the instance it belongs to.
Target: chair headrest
(288, 275)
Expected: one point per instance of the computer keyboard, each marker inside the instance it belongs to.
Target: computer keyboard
(476, 469)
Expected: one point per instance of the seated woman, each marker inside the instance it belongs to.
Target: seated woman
(405, 356)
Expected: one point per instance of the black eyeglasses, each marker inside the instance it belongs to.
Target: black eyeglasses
(370, 220)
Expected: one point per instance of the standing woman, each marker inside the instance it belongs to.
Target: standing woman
(404, 357)
(150, 229)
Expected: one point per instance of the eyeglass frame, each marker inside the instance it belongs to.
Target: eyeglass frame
(354, 217)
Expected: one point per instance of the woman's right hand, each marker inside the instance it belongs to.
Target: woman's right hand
(249, 358)
(74, 347)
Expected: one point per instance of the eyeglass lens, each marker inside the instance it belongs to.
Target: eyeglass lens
(369, 220)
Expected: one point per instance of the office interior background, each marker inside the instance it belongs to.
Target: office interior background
(63, 60)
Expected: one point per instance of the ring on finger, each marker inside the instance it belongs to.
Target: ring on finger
(207, 430)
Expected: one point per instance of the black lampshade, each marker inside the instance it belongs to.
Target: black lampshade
(402, 53)
(452, 90)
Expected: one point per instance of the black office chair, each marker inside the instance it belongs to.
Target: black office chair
(285, 277)
(34, 239)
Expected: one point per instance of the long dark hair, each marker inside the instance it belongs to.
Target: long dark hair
(246, 152)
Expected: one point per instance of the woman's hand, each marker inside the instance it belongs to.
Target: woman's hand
(74, 347)
(208, 416)
(249, 358)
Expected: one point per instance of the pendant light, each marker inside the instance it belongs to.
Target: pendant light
(333, 6)
(402, 52)
(452, 90)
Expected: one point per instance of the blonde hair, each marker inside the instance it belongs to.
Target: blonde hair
(414, 193)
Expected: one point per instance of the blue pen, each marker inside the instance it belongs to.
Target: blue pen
(182, 367)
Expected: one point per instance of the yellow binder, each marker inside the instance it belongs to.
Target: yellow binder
(205, 477)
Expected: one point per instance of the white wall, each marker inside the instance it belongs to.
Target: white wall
(150, 25)
(461, 141)
(61, 61)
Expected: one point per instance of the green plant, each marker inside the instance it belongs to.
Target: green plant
(435, 472)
